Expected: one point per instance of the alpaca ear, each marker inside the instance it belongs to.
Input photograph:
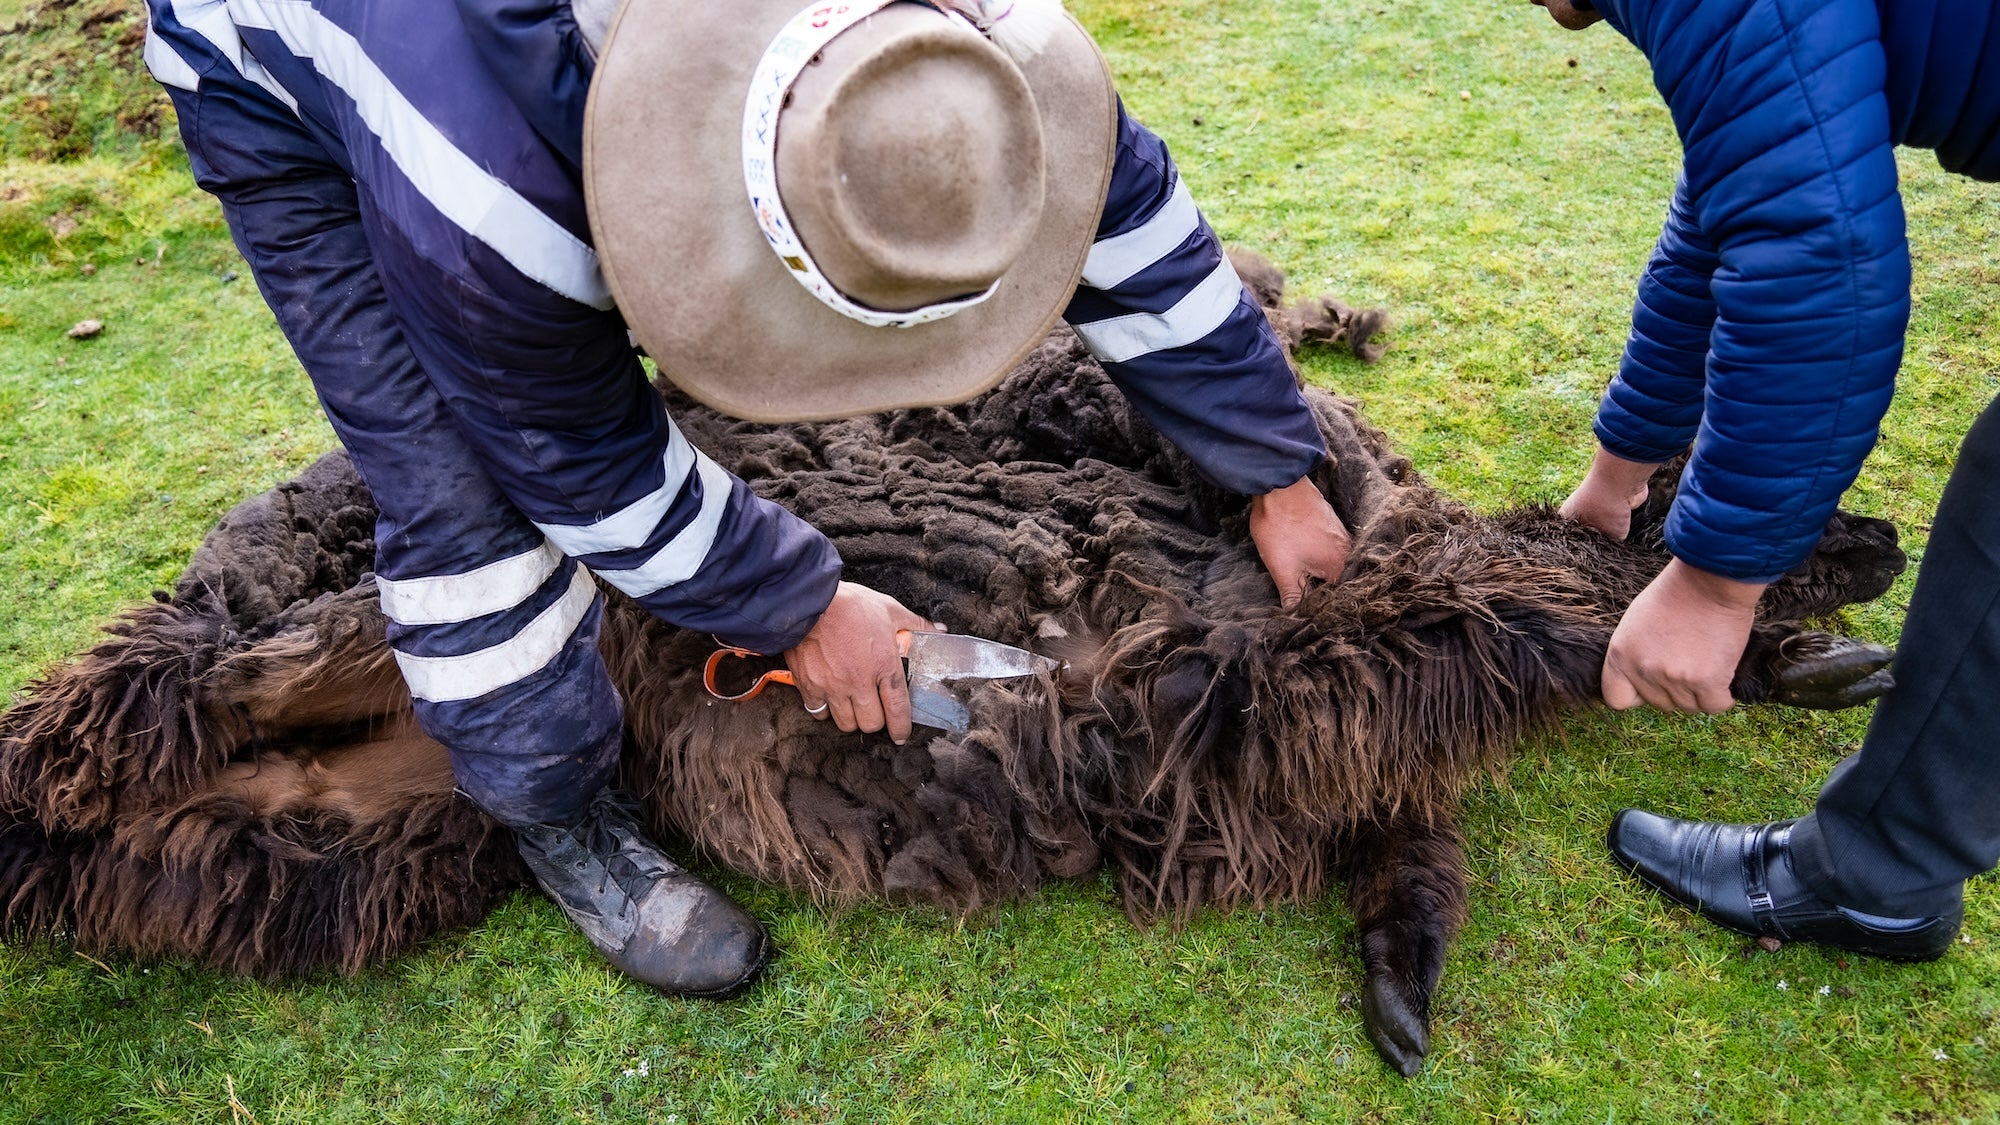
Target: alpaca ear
(1020, 28)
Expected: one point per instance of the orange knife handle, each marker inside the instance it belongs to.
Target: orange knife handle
(715, 660)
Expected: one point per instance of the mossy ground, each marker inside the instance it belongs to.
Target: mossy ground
(1493, 181)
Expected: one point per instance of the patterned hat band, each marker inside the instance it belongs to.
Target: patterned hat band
(1020, 28)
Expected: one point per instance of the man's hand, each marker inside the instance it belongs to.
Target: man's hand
(1609, 492)
(1298, 537)
(849, 665)
(1678, 645)
(1567, 14)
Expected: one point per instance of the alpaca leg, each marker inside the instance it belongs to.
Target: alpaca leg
(1406, 887)
(326, 663)
(299, 859)
(121, 725)
(1857, 560)
(1806, 668)
(175, 692)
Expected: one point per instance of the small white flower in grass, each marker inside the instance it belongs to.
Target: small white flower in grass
(1826, 990)
(1939, 1055)
(1783, 987)
(1697, 1074)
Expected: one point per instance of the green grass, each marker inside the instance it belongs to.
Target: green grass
(74, 86)
(1503, 229)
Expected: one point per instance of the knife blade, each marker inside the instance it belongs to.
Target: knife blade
(934, 660)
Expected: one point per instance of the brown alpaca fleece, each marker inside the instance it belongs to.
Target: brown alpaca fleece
(233, 775)
(66, 750)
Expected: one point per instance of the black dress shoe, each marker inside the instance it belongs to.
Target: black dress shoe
(654, 922)
(1740, 876)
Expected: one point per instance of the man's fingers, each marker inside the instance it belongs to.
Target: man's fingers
(868, 711)
(895, 696)
(1291, 583)
(1714, 701)
(842, 710)
(1664, 692)
(1619, 694)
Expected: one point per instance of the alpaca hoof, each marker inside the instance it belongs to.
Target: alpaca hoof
(1828, 672)
(1868, 550)
(1396, 1025)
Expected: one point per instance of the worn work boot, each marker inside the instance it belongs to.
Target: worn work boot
(1740, 876)
(654, 922)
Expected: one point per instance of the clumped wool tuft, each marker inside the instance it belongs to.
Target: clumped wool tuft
(234, 776)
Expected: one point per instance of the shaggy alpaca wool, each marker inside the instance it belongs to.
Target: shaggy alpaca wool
(234, 775)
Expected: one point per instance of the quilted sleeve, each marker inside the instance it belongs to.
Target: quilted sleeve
(1653, 407)
(1789, 174)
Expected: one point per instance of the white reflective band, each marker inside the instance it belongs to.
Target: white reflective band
(480, 204)
(450, 679)
(632, 525)
(1114, 259)
(796, 45)
(166, 65)
(211, 20)
(449, 598)
(682, 557)
(1202, 311)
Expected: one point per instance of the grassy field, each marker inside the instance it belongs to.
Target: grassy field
(1494, 182)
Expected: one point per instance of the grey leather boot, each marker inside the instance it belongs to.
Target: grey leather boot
(653, 921)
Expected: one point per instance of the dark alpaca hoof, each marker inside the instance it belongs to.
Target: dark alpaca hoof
(1823, 671)
(1865, 554)
(1397, 1024)
(1403, 961)
(1857, 560)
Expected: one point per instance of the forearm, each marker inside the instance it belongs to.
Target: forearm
(1790, 176)
(1164, 311)
(1652, 409)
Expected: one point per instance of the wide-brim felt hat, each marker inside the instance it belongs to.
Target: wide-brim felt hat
(920, 165)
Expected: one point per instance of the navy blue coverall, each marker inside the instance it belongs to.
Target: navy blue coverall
(403, 177)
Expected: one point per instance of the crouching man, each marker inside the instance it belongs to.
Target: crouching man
(458, 210)
(1767, 336)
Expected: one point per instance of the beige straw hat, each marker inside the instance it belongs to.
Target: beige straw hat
(855, 206)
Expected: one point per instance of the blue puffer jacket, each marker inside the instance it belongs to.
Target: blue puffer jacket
(1769, 323)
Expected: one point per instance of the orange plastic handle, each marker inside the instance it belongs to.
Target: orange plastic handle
(780, 676)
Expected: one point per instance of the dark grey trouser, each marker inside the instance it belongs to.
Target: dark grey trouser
(1905, 820)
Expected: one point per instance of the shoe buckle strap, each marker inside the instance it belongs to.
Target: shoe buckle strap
(1756, 881)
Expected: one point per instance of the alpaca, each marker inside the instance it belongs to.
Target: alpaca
(234, 775)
